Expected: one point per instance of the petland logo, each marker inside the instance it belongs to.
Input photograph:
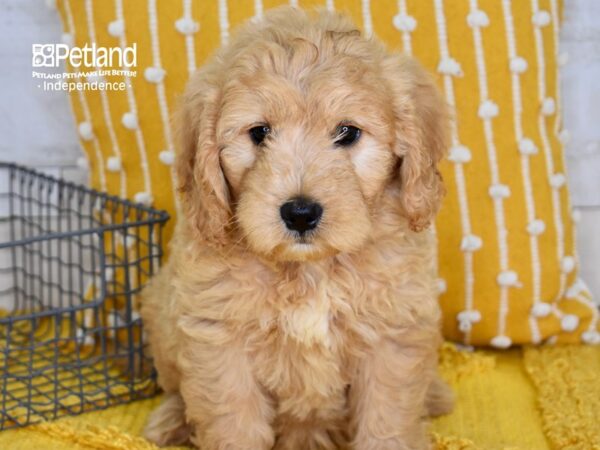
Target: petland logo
(89, 56)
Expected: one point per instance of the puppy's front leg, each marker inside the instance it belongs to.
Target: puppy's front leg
(226, 407)
(387, 398)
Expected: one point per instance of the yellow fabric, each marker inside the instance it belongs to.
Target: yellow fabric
(498, 394)
(483, 242)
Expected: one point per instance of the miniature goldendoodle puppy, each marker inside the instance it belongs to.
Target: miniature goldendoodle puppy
(297, 309)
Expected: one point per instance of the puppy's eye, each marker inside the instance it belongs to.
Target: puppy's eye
(346, 135)
(259, 133)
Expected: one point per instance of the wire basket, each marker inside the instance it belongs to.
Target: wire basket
(72, 263)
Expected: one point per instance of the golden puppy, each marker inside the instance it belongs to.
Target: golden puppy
(297, 309)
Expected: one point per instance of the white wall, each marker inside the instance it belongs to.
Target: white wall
(37, 128)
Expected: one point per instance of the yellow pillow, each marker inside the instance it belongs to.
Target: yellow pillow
(507, 263)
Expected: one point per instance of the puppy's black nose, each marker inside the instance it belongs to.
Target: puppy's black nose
(301, 214)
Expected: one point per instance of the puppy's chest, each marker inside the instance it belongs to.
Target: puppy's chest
(303, 361)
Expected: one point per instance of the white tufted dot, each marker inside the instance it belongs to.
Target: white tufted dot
(591, 337)
(564, 136)
(548, 106)
(527, 147)
(499, 191)
(567, 264)
(143, 197)
(518, 65)
(85, 131)
(154, 74)
(404, 22)
(488, 109)
(558, 180)
(459, 154)
(541, 18)
(576, 288)
(478, 18)
(113, 164)
(541, 309)
(470, 243)
(187, 25)
(67, 39)
(501, 342)
(441, 285)
(563, 58)
(569, 322)
(82, 163)
(167, 157)
(450, 66)
(471, 315)
(536, 227)
(116, 28)
(129, 121)
(508, 278)
(576, 215)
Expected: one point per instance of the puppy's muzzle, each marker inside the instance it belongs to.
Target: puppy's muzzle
(301, 214)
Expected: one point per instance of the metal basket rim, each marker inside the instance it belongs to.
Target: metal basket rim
(162, 215)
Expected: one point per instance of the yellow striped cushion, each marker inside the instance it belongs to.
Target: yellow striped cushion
(507, 263)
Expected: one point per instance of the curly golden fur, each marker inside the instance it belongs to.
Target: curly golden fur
(266, 339)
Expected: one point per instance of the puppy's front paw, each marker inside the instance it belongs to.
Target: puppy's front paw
(167, 425)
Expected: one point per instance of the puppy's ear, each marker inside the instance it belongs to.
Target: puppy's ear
(202, 185)
(421, 138)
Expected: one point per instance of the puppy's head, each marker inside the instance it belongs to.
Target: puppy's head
(294, 132)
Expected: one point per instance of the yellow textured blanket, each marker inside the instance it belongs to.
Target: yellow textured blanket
(532, 399)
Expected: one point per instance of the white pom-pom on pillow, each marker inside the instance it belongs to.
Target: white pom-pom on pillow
(518, 65)
(488, 110)
(459, 154)
(471, 243)
(404, 22)
(450, 66)
(564, 136)
(541, 18)
(154, 74)
(567, 264)
(541, 309)
(471, 315)
(591, 337)
(85, 131)
(113, 164)
(129, 121)
(508, 278)
(527, 147)
(167, 157)
(186, 25)
(143, 197)
(548, 106)
(478, 18)
(116, 28)
(558, 180)
(569, 322)
(501, 342)
(536, 227)
(499, 191)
